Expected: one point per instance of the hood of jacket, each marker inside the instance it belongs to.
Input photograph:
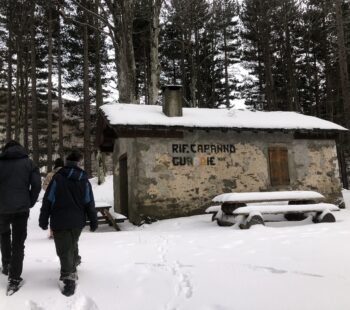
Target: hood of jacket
(14, 152)
(73, 173)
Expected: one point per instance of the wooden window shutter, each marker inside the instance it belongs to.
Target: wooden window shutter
(279, 170)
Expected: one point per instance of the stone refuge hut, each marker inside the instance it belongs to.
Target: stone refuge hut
(171, 161)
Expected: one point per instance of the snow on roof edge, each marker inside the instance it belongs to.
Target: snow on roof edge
(122, 114)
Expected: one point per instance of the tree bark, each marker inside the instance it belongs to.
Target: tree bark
(17, 99)
(49, 93)
(267, 58)
(9, 84)
(329, 104)
(343, 66)
(100, 158)
(59, 90)
(99, 97)
(153, 89)
(126, 59)
(227, 87)
(26, 105)
(87, 121)
(22, 92)
(35, 135)
(292, 93)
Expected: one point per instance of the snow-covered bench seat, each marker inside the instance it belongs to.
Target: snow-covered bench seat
(248, 209)
(250, 197)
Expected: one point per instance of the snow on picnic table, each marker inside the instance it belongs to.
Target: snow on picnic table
(193, 264)
(268, 196)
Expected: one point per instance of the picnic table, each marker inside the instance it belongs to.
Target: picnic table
(105, 217)
(247, 209)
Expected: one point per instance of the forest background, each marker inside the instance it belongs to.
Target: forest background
(62, 59)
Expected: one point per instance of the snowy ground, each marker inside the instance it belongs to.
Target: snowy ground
(193, 264)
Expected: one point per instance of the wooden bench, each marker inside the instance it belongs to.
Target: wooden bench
(105, 217)
(247, 209)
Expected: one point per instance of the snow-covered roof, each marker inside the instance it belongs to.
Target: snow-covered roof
(152, 115)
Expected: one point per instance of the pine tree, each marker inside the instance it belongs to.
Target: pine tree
(187, 48)
(228, 42)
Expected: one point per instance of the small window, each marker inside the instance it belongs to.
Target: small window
(279, 171)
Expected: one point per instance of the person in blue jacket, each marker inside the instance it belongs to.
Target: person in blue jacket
(67, 202)
(20, 184)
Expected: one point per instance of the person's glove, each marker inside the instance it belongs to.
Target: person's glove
(93, 227)
(44, 227)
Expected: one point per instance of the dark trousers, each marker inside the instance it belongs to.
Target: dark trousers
(13, 232)
(66, 242)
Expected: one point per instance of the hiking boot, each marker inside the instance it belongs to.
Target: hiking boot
(72, 276)
(13, 286)
(69, 287)
(5, 270)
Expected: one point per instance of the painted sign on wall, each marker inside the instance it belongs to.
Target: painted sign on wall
(199, 154)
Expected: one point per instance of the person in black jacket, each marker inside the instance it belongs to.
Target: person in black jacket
(67, 201)
(20, 185)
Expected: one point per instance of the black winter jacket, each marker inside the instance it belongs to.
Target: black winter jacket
(20, 181)
(68, 200)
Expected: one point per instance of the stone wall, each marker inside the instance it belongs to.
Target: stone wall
(177, 177)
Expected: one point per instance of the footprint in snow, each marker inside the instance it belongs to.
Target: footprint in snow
(31, 305)
(84, 303)
(267, 268)
(184, 284)
(232, 245)
(46, 260)
(216, 307)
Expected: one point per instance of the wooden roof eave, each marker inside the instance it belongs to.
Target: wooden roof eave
(105, 134)
(174, 131)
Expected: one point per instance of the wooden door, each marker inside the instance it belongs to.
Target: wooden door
(123, 185)
(279, 168)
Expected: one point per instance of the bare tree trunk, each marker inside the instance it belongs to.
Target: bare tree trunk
(329, 106)
(99, 97)
(146, 68)
(26, 106)
(227, 89)
(87, 122)
(182, 66)
(126, 59)
(35, 135)
(17, 100)
(22, 91)
(343, 66)
(317, 108)
(153, 89)
(260, 74)
(60, 103)
(270, 85)
(49, 93)
(9, 85)
(193, 84)
(292, 97)
(265, 40)
(100, 158)
(122, 14)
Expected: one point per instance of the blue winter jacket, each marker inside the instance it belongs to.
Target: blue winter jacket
(68, 200)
